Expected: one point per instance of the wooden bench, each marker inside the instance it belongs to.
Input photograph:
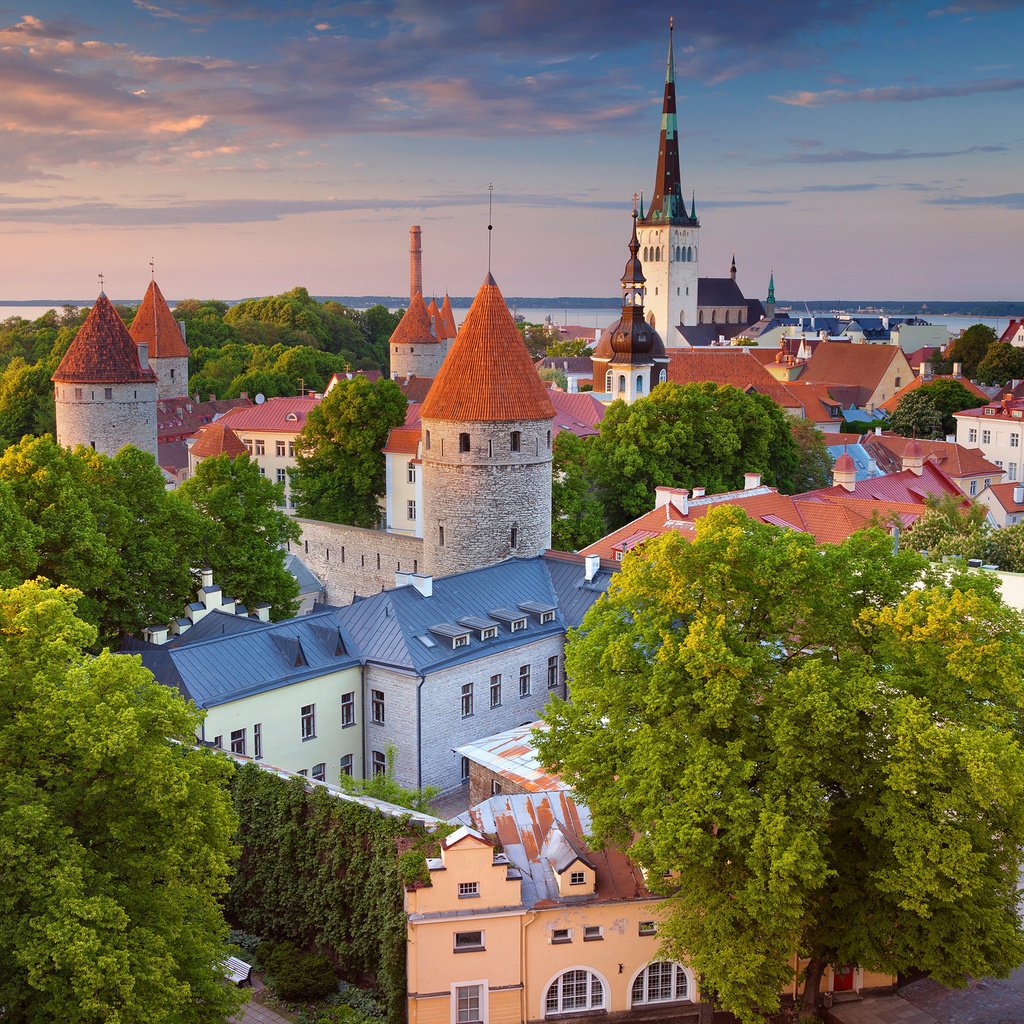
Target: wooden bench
(237, 971)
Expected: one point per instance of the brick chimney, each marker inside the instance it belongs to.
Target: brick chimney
(415, 262)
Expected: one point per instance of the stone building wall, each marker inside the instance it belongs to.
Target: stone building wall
(172, 376)
(423, 360)
(86, 416)
(477, 497)
(482, 781)
(351, 561)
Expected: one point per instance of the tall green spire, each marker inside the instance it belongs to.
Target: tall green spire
(771, 287)
(693, 206)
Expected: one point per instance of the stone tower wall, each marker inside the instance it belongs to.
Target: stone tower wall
(172, 376)
(479, 495)
(419, 360)
(86, 416)
(671, 283)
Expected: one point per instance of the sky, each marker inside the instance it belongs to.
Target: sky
(860, 149)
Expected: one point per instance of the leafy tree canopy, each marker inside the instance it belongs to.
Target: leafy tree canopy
(947, 397)
(969, 349)
(812, 747)
(577, 518)
(340, 470)
(1002, 363)
(814, 465)
(116, 841)
(918, 415)
(568, 347)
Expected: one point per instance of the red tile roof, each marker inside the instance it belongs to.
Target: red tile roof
(217, 439)
(579, 412)
(450, 329)
(102, 352)
(439, 326)
(862, 366)
(414, 327)
(275, 415)
(415, 388)
(1011, 329)
(956, 461)
(919, 381)
(178, 418)
(154, 325)
(816, 400)
(1003, 494)
(404, 441)
(732, 366)
(488, 374)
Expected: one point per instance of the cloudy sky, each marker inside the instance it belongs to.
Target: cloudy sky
(862, 149)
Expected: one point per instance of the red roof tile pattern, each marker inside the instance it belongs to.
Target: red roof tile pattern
(919, 381)
(450, 330)
(439, 326)
(404, 441)
(414, 327)
(275, 415)
(731, 366)
(415, 388)
(1011, 330)
(217, 439)
(956, 461)
(861, 366)
(154, 325)
(103, 351)
(1003, 494)
(818, 402)
(178, 418)
(488, 375)
(579, 412)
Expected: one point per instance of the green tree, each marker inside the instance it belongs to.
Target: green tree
(918, 415)
(26, 401)
(689, 435)
(950, 528)
(806, 751)
(246, 531)
(576, 515)
(969, 349)
(259, 382)
(949, 397)
(1005, 548)
(814, 467)
(339, 471)
(535, 338)
(115, 835)
(568, 347)
(385, 787)
(558, 377)
(19, 539)
(1002, 363)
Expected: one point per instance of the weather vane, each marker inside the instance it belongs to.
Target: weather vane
(490, 226)
(101, 280)
(152, 268)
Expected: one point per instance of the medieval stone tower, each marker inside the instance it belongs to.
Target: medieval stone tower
(668, 235)
(487, 434)
(416, 349)
(104, 388)
(154, 326)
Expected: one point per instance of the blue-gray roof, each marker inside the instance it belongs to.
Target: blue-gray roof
(308, 583)
(866, 466)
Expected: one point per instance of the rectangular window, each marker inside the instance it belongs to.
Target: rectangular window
(378, 762)
(553, 679)
(348, 710)
(377, 706)
(986, 437)
(468, 1004)
(238, 741)
(578, 878)
(410, 509)
(495, 787)
(524, 680)
(1015, 440)
(1012, 470)
(282, 476)
(410, 472)
(496, 691)
(464, 767)
(257, 740)
(515, 440)
(108, 392)
(78, 394)
(972, 436)
(489, 633)
(440, 536)
(279, 449)
(461, 641)
(304, 772)
(345, 765)
(467, 700)
(307, 722)
(291, 449)
(463, 442)
(561, 935)
(468, 890)
(468, 940)
(974, 487)
(547, 617)
(261, 447)
(218, 742)
(592, 933)
(320, 772)
(647, 928)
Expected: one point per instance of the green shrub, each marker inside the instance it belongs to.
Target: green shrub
(295, 975)
(245, 942)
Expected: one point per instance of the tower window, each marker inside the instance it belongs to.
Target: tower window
(463, 442)
(514, 539)
(622, 384)
(639, 384)
(515, 440)
(428, 440)
(549, 440)
(78, 394)
(108, 393)
(440, 536)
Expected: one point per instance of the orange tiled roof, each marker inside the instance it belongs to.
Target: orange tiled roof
(731, 366)
(449, 317)
(1003, 493)
(893, 404)
(103, 351)
(435, 313)
(154, 325)
(817, 400)
(414, 388)
(863, 366)
(488, 374)
(414, 327)
(217, 439)
(404, 440)
(275, 415)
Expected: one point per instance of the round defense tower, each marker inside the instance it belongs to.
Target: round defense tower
(487, 437)
(104, 389)
(154, 326)
(415, 348)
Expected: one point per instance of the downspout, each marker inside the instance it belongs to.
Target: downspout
(527, 920)
(362, 715)
(419, 732)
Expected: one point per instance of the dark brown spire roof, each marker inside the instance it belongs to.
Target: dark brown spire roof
(154, 325)
(414, 327)
(217, 439)
(488, 374)
(103, 351)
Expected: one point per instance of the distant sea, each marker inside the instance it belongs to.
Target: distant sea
(585, 317)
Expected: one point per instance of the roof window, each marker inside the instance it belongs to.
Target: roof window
(291, 418)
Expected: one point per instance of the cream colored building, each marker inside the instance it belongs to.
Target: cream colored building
(998, 430)
(402, 503)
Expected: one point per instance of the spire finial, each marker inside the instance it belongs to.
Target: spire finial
(635, 198)
(490, 226)
(100, 276)
(152, 268)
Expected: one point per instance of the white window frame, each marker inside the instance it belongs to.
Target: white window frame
(469, 890)
(690, 987)
(378, 760)
(320, 771)
(972, 435)
(495, 686)
(346, 761)
(482, 986)
(307, 722)
(378, 712)
(279, 449)
(525, 681)
(410, 509)
(410, 472)
(605, 990)
(466, 700)
(257, 740)
(481, 945)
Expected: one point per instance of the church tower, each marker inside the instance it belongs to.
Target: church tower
(104, 388)
(487, 434)
(668, 235)
(154, 326)
(629, 358)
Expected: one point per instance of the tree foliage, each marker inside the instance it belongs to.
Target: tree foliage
(577, 518)
(116, 841)
(969, 349)
(944, 398)
(340, 469)
(246, 531)
(1002, 363)
(814, 464)
(824, 755)
(568, 347)
(689, 435)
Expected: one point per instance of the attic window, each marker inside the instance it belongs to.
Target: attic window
(489, 634)
(546, 617)
(291, 418)
(426, 640)
(990, 412)
(578, 878)
(517, 624)
(461, 641)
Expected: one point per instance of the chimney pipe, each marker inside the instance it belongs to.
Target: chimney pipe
(143, 350)
(591, 564)
(415, 262)
(698, 492)
(958, 369)
(1018, 494)
(751, 481)
(424, 584)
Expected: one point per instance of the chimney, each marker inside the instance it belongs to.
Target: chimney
(423, 583)
(262, 611)
(663, 495)
(181, 327)
(926, 368)
(751, 481)
(697, 492)
(403, 579)
(591, 565)
(1018, 494)
(244, 394)
(143, 349)
(155, 634)
(679, 503)
(958, 369)
(878, 431)
(206, 577)
(415, 263)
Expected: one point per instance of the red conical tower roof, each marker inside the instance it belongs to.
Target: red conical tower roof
(438, 320)
(414, 327)
(154, 325)
(449, 317)
(488, 374)
(217, 439)
(103, 351)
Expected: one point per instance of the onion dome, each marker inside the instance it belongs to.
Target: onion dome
(103, 352)
(913, 450)
(154, 325)
(488, 375)
(217, 439)
(414, 328)
(845, 464)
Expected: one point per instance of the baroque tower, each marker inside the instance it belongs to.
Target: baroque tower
(630, 357)
(104, 388)
(154, 325)
(668, 235)
(487, 434)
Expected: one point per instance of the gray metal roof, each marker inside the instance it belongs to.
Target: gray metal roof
(308, 583)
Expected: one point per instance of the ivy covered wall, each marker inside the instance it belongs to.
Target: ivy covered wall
(325, 872)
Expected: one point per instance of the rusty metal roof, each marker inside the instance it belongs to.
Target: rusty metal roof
(512, 755)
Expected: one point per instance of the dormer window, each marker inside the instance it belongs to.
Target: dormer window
(291, 418)
(489, 634)
(547, 617)
(517, 624)
(578, 878)
(461, 641)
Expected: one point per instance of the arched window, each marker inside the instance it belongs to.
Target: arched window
(574, 991)
(427, 438)
(689, 254)
(657, 255)
(700, 317)
(639, 384)
(608, 378)
(463, 442)
(678, 257)
(714, 316)
(662, 377)
(727, 316)
(622, 383)
(645, 254)
(660, 982)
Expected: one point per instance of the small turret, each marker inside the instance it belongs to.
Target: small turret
(844, 473)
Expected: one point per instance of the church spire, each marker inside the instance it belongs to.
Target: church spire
(667, 203)
(770, 301)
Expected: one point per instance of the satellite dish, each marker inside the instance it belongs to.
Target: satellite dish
(261, 398)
